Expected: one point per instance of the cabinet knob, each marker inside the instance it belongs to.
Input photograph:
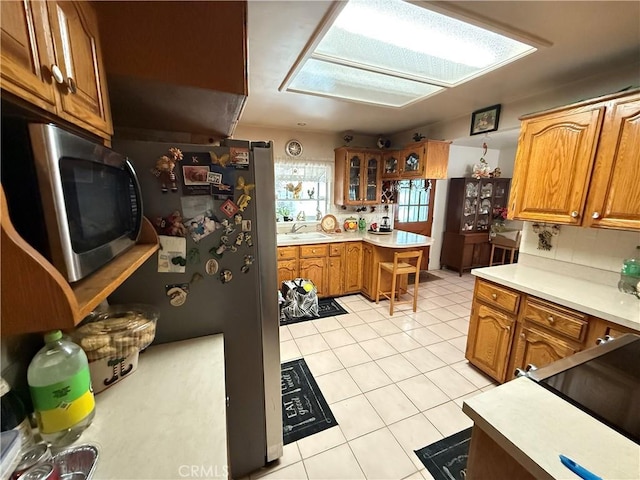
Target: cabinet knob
(595, 215)
(574, 214)
(494, 296)
(71, 85)
(551, 320)
(523, 336)
(56, 73)
(313, 250)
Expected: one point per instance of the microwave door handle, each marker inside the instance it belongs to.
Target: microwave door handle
(136, 185)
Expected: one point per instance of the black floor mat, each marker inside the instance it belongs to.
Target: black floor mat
(447, 458)
(327, 307)
(304, 409)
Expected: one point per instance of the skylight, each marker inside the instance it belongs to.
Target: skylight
(393, 53)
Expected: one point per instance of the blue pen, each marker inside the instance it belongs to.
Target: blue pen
(578, 469)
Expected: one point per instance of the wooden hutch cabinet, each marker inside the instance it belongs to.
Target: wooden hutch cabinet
(425, 159)
(470, 207)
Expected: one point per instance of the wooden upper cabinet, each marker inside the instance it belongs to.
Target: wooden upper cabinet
(426, 159)
(614, 197)
(83, 92)
(27, 53)
(578, 165)
(358, 177)
(553, 164)
(51, 58)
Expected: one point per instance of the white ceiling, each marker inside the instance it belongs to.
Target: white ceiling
(586, 38)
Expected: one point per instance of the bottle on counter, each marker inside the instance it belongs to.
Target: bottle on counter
(13, 415)
(630, 274)
(60, 387)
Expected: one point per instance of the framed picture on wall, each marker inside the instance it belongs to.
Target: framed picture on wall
(485, 120)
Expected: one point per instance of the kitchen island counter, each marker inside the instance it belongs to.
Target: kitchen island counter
(168, 420)
(581, 294)
(533, 426)
(395, 239)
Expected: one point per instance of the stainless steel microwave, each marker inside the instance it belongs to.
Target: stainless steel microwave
(75, 201)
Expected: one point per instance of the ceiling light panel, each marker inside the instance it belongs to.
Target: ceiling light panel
(415, 42)
(328, 79)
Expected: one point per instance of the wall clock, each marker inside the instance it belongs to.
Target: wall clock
(293, 148)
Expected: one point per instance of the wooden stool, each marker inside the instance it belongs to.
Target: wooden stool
(396, 268)
(505, 245)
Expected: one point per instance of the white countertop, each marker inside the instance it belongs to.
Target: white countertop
(168, 420)
(534, 426)
(395, 239)
(580, 294)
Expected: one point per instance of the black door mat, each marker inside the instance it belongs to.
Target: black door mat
(327, 307)
(304, 409)
(446, 459)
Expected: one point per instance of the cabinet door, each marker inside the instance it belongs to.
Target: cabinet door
(489, 340)
(412, 162)
(353, 268)
(372, 179)
(367, 271)
(391, 164)
(26, 56)
(315, 269)
(287, 270)
(470, 205)
(553, 165)
(77, 49)
(335, 277)
(536, 347)
(614, 195)
(354, 178)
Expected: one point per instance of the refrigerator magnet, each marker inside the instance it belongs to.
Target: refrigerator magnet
(248, 260)
(193, 256)
(226, 276)
(229, 208)
(239, 239)
(211, 267)
(241, 184)
(239, 157)
(177, 293)
(195, 278)
(243, 202)
(195, 174)
(248, 240)
(237, 219)
(246, 225)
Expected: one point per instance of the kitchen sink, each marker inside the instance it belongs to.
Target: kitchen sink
(302, 236)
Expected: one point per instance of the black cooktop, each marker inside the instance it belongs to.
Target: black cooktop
(606, 384)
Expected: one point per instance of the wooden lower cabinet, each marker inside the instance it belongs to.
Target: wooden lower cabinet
(368, 287)
(489, 340)
(287, 270)
(335, 270)
(315, 269)
(534, 346)
(509, 329)
(353, 267)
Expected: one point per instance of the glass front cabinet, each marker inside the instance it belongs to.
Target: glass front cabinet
(358, 177)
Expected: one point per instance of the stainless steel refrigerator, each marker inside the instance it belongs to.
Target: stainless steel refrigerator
(244, 309)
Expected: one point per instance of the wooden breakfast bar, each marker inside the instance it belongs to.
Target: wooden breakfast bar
(343, 263)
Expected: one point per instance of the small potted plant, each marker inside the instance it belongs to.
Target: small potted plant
(285, 213)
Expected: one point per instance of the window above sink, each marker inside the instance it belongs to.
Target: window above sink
(302, 189)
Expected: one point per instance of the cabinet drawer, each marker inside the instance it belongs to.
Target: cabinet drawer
(310, 251)
(497, 296)
(567, 322)
(336, 249)
(287, 253)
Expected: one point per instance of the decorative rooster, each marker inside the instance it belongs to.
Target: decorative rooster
(295, 189)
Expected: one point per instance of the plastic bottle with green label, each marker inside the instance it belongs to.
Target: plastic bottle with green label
(630, 274)
(60, 387)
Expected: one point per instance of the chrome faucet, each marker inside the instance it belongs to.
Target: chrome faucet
(295, 227)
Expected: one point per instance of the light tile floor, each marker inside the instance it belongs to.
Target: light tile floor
(394, 383)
